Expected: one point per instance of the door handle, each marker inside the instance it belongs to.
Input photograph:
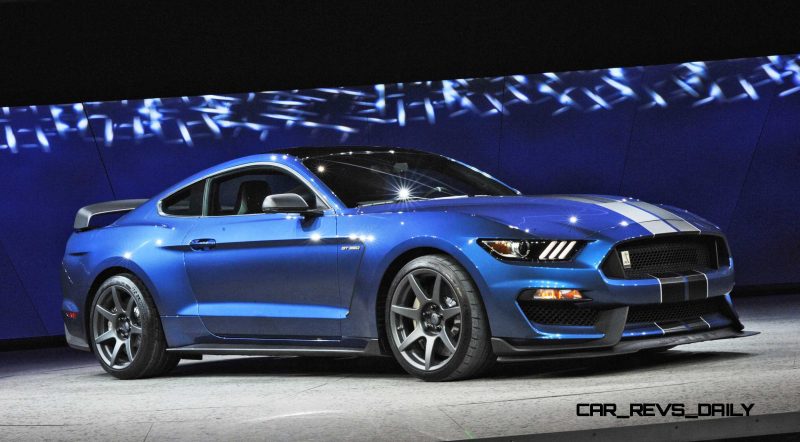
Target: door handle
(202, 244)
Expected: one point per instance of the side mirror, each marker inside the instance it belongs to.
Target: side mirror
(288, 203)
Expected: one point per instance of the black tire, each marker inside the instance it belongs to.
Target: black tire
(473, 353)
(144, 337)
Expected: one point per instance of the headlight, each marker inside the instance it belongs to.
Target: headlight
(532, 250)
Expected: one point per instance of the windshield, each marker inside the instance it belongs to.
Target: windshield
(361, 178)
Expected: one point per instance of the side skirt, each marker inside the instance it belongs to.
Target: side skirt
(370, 349)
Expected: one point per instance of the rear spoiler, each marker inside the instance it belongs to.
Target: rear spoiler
(85, 214)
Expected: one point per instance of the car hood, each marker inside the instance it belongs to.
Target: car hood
(561, 216)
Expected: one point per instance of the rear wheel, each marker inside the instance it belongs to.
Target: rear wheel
(126, 332)
(435, 321)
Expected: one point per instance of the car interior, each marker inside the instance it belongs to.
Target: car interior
(243, 193)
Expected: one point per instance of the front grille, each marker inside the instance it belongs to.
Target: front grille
(558, 313)
(676, 311)
(567, 313)
(665, 255)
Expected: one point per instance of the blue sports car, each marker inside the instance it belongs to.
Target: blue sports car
(378, 251)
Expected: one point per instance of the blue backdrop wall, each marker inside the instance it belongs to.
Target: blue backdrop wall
(719, 138)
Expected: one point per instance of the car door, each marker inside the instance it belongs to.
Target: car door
(264, 275)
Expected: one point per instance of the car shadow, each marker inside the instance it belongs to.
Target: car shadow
(292, 366)
(387, 367)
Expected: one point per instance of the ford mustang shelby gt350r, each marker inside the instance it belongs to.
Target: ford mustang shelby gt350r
(371, 251)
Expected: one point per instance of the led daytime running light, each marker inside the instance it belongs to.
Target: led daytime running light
(533, 250)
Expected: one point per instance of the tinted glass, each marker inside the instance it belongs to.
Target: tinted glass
(185, 202)
(242, 193)
(382, 177)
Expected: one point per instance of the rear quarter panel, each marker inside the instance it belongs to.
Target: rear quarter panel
(150, 249)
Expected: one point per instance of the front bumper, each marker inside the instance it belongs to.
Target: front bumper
(504, 284)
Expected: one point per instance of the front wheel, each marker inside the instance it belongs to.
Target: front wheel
(435, 322)
(126, 332)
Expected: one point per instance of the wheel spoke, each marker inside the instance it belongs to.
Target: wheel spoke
(418, 292)
(117, 302)
(129, 307)
(436, 294)
(106, 314)
(412, 338)
(115, 353)
(411, 313)
(429, 342)
(129, 350)
(105, 336)
(448, 344)
(448, 313)
(136, 330)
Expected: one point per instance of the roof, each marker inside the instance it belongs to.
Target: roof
(305, 152)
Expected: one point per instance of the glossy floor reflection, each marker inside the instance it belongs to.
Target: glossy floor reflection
(60, 394)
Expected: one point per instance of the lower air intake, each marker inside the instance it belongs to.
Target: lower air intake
(558, 313)
(676, 311)
(572, 314)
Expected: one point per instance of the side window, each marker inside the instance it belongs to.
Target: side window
(185, 202)
(243, 192)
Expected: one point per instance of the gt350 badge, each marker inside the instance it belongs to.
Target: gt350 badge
(351, 247)
(626, 259)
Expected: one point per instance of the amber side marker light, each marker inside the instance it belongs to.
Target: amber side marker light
(71, 315)
(557, 295)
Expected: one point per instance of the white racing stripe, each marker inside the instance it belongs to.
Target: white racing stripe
(653, 218)
(647, 220)
(673, 219)
(660, 290)
(706, 277)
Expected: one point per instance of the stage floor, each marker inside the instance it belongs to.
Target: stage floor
(61, 394)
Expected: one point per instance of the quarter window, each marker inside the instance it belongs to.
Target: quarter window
(185, 202)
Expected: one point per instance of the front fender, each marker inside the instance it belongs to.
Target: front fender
(379, 255)
(456, 251)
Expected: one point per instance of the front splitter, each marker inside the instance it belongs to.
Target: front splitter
(511, 353)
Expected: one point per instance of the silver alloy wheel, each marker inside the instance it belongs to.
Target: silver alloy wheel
(116, 327)
(425, 319)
